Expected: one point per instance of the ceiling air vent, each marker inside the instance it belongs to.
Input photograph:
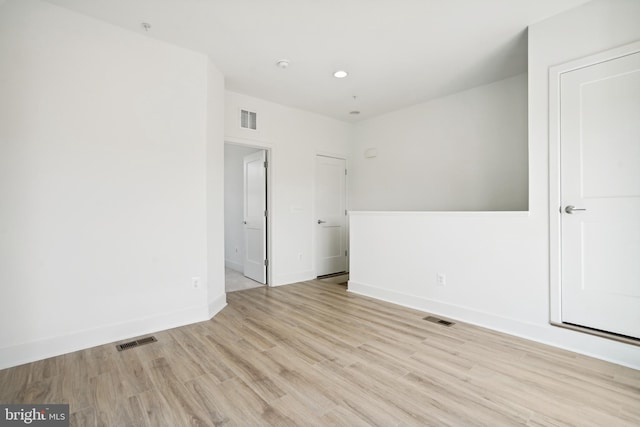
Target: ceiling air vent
(248, 119)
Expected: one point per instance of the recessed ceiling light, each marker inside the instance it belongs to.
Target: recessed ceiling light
(340, 74)
(283, 63)
(146, 26)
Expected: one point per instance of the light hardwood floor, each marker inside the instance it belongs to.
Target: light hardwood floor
(313, 354)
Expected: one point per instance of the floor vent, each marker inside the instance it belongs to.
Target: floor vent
(438, 321)
(136, 343)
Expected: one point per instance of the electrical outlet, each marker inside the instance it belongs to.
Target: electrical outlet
(441, 279)
(196, 282)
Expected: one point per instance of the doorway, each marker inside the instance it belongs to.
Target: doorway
(331, 216)
(595, 201)
(246, 221)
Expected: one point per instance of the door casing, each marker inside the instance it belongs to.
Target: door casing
(255, 269)
(259, 145)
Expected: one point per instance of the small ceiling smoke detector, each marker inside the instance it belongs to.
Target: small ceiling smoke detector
(354, 112)
(146, 26)
(340, 74)
(283, 63)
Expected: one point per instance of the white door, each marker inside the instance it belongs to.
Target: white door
(600, 177)
(331, 215)
(255, 216)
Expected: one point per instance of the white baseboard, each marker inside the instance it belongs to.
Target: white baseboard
(217, 304)
(80, 340)
(234, 265)
(589, 345)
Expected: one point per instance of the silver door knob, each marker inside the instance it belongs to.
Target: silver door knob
(570, 209)
(321, 221)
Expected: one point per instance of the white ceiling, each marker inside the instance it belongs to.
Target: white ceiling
(397, 52)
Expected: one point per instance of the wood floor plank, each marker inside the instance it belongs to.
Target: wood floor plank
(203, 391)
(299, 381)
(133, 374)
(376, 389)
(313, 354)
(135, 413)
(251, 370)
(200, 350)
(344, 417)
(84, 417)
(157, 411)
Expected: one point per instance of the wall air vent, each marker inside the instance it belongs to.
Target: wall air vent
(248, 119)
(136, 343)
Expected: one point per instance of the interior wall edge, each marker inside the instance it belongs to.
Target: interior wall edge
(217, 305)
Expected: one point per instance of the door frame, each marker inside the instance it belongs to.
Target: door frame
(255, 269)
(268, 148)
(314, 235)
(555, 240)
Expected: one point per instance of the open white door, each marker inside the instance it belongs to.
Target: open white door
(331, 215)
(600, 195)
(255, 216)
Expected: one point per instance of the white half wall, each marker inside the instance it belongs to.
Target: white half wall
(103, 183)
(294, 137)
(463, 152)
(234, 251)
(496, 264)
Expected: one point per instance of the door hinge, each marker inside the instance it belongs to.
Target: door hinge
(265, 213)
(345, 212)
(345, 171)
(266, 263)
(345, 252)
(266, 164)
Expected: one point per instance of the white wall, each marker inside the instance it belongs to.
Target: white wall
(294, 137)
(497, 264)
(234, 205)
(103, 183)
(464, 152)
(216, 296)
